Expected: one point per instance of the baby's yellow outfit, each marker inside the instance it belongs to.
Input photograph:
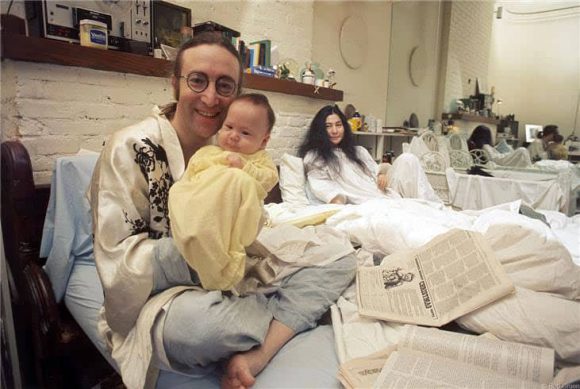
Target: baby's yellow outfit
(216, 210)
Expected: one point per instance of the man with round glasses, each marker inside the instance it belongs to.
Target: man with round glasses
(155, 315)
(198, 82)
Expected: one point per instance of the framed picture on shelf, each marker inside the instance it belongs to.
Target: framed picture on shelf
(171, 23)
(532, 132)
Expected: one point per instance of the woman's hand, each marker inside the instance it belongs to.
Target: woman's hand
(382, 181)
(340, 199)
(234, 160)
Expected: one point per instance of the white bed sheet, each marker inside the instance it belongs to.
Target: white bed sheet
(534, 255)
(478, 192)
(389, 225)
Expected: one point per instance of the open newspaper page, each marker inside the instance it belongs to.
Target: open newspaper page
(452, 275)
(414, 369)
(363, 372)
(522, 361)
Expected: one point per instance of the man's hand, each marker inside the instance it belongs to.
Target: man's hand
(382, 181)
(234, 160)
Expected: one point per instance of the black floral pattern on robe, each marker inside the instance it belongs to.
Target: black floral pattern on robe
(154, 165)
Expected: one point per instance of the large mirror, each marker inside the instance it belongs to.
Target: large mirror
(413, 62)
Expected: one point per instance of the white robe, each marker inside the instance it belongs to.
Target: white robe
(520, 157)
(130, 183)
(405, 178)
(537, 150)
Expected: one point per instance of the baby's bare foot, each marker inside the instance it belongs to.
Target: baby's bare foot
(242, 369)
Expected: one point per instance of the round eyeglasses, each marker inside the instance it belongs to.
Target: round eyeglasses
(198, 82)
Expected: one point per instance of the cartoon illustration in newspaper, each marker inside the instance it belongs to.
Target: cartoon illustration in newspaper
(395, 277)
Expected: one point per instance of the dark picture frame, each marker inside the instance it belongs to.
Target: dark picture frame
(168, 21)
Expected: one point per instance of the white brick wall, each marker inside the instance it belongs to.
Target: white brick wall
(470, 33)
(287, 23)
(56, 110)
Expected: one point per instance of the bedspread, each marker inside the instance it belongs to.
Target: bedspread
(535, 257)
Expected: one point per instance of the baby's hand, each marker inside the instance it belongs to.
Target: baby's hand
(234, 160)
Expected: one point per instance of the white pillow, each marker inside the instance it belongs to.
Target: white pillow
(292, 181)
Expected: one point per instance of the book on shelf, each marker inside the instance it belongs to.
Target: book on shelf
(262, 70)
(264, 50)
(453, 274)
(245, 54)
(429, 357)
(255, 54)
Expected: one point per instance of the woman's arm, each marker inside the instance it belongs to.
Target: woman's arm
(382, 181)
(372, 166)
(322, 185)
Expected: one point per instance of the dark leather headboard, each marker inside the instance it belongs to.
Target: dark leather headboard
(51, 346)
(275, 195)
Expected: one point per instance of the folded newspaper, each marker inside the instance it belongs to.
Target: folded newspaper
(452, 275)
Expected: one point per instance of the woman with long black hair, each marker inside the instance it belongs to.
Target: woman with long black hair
(340, 172)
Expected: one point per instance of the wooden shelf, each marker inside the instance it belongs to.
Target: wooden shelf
(469, 118)
(386, 134)
(23, 48)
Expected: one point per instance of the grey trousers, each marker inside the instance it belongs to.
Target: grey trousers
(200, 328)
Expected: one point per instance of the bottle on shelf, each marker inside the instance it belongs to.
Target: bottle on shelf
(157, 52)
(355, 122)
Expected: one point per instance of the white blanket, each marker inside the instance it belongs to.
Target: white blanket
(534, 255)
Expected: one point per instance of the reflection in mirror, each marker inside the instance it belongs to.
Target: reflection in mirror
(413, 61)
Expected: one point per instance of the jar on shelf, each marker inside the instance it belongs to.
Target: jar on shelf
(355, 122)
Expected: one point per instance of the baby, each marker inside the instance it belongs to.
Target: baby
(216, 208)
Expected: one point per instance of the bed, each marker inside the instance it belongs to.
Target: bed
(541, 254)
(546, 272)
(548, 185)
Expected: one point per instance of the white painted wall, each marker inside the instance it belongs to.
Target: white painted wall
(535, 64)
(287, 23)
(365, 87)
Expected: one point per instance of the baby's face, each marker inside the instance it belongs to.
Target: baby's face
(245, 129)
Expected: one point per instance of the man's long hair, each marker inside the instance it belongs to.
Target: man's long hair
(317, 140)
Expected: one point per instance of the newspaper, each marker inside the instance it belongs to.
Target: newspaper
(363, 372)
(452, 275)
(437, 372)
(428, 357)
(483, 355)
